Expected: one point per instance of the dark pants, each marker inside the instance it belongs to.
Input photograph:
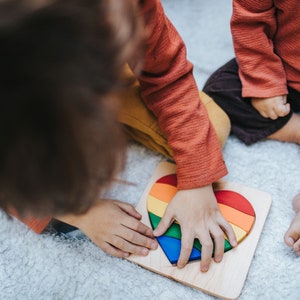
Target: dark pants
(224, 86)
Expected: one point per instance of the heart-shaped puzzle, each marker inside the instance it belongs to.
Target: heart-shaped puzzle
(235, 208)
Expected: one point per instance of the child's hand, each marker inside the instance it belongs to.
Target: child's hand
(272, 107)
(116, 228)
(198, 214)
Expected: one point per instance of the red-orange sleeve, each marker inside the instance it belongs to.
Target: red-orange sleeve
(254, 26)
(35, 224)
(169, 90)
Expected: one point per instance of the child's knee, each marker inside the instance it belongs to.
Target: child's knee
(218, 118)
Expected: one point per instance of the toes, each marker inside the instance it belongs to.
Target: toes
(296, 203)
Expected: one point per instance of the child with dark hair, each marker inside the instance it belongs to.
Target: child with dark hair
(260, 88)
(62, 65)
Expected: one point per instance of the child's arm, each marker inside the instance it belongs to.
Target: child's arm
(253, 27)
(170, 91)
(272, 107)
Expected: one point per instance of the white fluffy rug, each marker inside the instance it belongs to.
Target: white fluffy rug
(48, 267)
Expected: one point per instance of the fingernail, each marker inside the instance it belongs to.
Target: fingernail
(218, 258)
(154, 245)
(145, 251)
(204, 269)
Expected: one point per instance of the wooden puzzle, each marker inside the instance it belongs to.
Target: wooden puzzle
(244, 208)
(235, 208)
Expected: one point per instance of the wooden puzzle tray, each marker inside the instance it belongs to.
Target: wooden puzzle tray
(226, 279)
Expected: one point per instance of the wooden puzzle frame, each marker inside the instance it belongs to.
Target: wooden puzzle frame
(226, 279)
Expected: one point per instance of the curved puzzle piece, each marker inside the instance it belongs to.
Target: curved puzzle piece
(235, 208)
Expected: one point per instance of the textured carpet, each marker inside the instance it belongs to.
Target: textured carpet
(49, 267)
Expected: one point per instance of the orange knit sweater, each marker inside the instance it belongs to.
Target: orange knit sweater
(266, 37)
(169, 90)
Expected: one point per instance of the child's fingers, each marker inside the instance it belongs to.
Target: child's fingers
(129, 209)
(139, 227)
(111, 250)
(187, 241)
(263, 114)
(272, 114)
(230, 234)
(206, 251)
(164, 223)
(282, 110)
(133, 242)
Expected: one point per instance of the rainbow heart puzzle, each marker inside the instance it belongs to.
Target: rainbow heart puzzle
(235, 208)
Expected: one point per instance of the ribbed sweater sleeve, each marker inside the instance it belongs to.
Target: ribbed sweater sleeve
(169, 90)
(254, 26)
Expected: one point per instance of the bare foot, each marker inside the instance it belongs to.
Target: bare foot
(289, 132)
(292, 236)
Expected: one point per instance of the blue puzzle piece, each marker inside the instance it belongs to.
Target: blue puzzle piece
(171, 248)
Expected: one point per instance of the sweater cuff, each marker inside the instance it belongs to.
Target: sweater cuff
(35, 224)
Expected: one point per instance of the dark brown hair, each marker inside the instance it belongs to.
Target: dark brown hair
(60, 61)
